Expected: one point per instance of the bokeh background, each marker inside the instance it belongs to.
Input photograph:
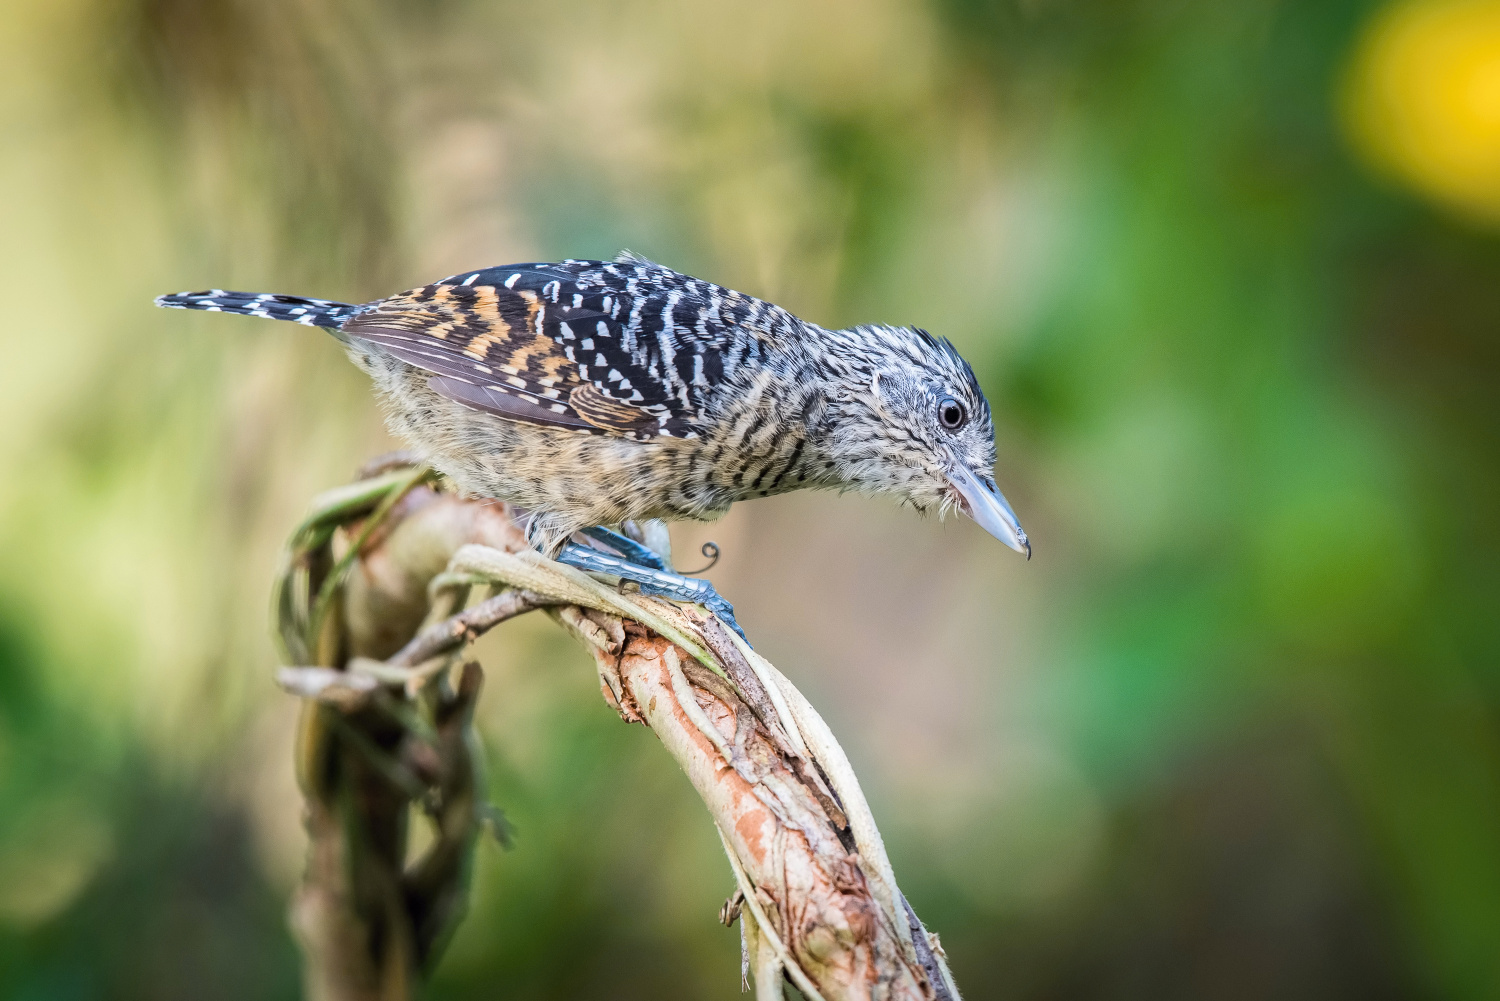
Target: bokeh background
(1229, 272)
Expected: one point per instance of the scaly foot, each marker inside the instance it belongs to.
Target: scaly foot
(647, 570)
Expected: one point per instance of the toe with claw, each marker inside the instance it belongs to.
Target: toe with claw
(644, 568)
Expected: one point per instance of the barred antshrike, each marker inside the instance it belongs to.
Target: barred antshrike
(595, 393)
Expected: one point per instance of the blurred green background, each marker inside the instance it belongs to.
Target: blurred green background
(1229, 272)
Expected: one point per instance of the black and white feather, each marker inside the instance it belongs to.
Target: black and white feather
(654, 347)
(312, 312)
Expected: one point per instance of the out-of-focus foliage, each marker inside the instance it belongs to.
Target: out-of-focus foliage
(1229, 273)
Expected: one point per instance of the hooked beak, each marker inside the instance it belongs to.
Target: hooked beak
(983, 502)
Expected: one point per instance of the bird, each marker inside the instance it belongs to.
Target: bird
(596, 394)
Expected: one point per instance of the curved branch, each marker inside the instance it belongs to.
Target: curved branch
(817, 900)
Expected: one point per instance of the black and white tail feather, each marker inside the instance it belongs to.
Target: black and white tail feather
(311, 312)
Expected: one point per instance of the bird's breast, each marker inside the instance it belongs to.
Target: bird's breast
(757, 451)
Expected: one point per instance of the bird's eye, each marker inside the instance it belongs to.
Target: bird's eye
(951, 413)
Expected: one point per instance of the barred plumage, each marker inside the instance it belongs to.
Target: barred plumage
(592, 392)
(312, 312)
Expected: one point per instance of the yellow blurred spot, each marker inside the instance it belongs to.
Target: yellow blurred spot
(1423, 99)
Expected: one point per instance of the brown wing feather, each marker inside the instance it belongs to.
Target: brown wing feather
(501, 404)
(485, 347)
(607, 414)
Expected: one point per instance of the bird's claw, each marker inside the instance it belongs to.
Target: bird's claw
(658, 580)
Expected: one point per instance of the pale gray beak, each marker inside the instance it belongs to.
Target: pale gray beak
(983, 502)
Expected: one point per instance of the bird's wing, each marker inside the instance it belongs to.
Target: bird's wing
(498, 349)
(626, 348)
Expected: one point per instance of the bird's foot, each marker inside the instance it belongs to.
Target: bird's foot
(647, 570)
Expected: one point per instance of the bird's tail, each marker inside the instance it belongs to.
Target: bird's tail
(313, 312)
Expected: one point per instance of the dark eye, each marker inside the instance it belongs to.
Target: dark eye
(951, 413)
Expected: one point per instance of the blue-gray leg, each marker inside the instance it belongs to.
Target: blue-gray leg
(647, 570)
(627, 547)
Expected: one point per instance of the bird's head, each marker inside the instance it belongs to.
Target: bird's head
(907, 417)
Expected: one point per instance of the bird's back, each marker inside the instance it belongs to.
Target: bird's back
(623, 347)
